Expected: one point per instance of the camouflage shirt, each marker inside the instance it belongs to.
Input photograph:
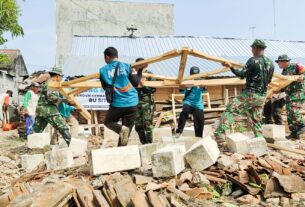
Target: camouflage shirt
(258, 72)
(146, 91)
(47, 102)
(296, 90)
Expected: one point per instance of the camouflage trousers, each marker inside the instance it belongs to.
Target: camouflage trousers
(294, 117)
(56, 121)
(144, 121)
(247, 104)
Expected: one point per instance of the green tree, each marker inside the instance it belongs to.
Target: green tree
(9, 14)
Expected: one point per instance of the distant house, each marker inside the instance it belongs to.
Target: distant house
(12, 72)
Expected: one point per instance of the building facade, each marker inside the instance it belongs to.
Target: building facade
(108, 18)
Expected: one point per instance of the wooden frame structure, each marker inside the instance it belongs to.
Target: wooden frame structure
(85, 83)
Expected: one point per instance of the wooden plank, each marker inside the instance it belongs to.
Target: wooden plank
(215, 59)
(165, 56)
(301, 152)
(207, 74)
(77, 91)
(154, 199)
(158, 77)
(99, 199)
(214, 82)
(185, 52)
(159, 120)
(82, 79)
(174, 110)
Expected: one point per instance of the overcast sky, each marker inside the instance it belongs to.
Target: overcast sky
(210, 18)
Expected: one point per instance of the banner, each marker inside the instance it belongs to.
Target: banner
(93, 99)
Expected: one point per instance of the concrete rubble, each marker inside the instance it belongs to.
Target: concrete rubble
(185, 171)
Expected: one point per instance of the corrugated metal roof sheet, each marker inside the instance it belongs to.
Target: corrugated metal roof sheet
(87, 52)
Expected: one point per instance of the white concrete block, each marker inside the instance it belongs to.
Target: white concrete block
(111, 139)
(59, 159)
(188, 132)
(158, 133)
(202, 154)
(225, 161)
(208, 130)
(274, 132)
(78, 146)
(187, 141)
(114, 159)
(147, 150)
(168, 161)
(237, 143)
(30, 162)
(38, 140)
(257, 146)
(81, 130)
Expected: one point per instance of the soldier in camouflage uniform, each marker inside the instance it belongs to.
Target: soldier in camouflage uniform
(144, 115)
(295, 95)
(258, 72)
(47, 112)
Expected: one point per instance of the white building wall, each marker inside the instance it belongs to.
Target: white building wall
(108, 18)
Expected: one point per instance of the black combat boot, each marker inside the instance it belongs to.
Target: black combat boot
(301, 130)
(292, 135)
(66, 136)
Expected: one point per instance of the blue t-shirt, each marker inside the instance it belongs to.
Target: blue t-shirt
(65, 109)
(194, 99)
(125, 95)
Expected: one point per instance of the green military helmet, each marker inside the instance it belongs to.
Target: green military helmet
(283, 58)
(56, 70)
(259, 43)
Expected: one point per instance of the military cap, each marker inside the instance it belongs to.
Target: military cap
(56, 70)
(259, 43)
(283, 58)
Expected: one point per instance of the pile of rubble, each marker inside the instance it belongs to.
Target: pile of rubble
(187, 171)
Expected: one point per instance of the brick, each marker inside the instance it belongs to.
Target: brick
(208, 130)
(274, 133)
(111, 139)
(187, 141)
(257, 146)
(238, 143)
(30, 162)
(158, 133)
(78, 146)
(168, 161)
(114, 159)
(59, 159)
(225, 161)
(202, 154)
(38, 140)
(188, 132)
(147, 150)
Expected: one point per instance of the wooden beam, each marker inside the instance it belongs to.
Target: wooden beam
(214, 82)
(185, 52)
(165, 56)
(77, 91)
(199, 54)
(204, 75)
(158, 77)
(278, 147)
(78, 80)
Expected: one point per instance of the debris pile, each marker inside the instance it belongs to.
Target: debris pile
(186, 171)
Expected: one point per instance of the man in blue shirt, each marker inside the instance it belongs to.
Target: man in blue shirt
(192, 103)
(125, 96)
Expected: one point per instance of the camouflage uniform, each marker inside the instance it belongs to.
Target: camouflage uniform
(47, 112)
(295, 98)
(144, 114)
(258, 73)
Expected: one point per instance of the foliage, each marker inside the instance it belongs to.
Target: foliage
(4, 59)
(9, 14)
